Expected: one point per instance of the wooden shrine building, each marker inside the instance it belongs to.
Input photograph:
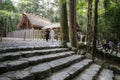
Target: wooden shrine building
(34, 27)
(29, 21)
(38, 24)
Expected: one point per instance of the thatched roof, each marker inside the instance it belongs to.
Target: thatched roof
(53, 25)
(37, 20)
(32, 21)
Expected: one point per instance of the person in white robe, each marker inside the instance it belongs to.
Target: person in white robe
(52, 35)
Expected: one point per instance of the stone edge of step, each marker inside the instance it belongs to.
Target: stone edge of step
(24, 48)
(69, 72)
(8, 73)
(86, 72)
(30, 63)
(5, 57)
(107, 71)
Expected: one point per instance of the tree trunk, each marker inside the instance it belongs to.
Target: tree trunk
(94, 51)
(89, 26)
(64, 23)
(72, 23)
(0, 33)
(1, 29)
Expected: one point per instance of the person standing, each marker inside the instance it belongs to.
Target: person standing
(52, 35)
(47, 34)
(110, 46)
(118, 45)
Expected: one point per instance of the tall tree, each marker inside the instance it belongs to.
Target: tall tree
(6, 18)
(94, 51)
(82, 15)
(89, 26)
(45, 8)
(72, 23)
(112, 18)
(106, 4)
(64, 23)
(25, 6)
(1, 29)
(7, 5)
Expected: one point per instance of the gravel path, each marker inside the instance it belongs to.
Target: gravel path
(16, 42)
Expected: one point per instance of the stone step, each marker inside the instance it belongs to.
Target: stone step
(69, 72)
(19, 54)
(5, 78)
(89, 74)
(25, 62)
(56, 65)
(25, 48)
(42, 70)
(106, 74)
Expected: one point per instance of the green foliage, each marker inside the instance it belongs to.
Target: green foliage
(7, 5)
(63, 1)
(82, 14)
(9, 21)
(106, 4)
(112, 18)
(109, 20)
(24, 6)
(44, 8)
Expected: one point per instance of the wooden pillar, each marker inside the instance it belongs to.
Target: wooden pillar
(30, 34)
(39, 34)
(24, 34)
(33, 34)
(42, 34)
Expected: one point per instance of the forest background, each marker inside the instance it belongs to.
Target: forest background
(108, 15)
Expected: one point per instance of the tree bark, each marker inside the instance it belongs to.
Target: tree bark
(89, 26)
(0, 33)
(94, 51)
(1, 29)
(72, 23)
(64, 23)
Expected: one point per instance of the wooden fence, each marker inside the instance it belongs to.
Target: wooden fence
(27, 34)
(31, 34)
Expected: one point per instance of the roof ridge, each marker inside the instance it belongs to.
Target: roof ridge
(37, 16)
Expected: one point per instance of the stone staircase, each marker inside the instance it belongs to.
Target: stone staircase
(50, 63)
